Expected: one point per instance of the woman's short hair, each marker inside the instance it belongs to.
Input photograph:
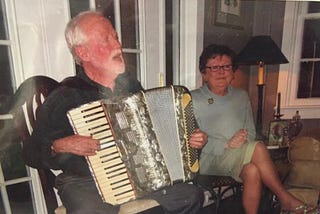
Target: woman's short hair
(213, 51)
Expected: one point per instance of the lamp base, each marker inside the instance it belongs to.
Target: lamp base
(261, 137)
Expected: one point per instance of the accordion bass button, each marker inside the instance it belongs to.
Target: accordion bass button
(158, 157)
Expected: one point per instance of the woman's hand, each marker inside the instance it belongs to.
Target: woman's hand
(239, 138)
(198, 139)
(76, 144)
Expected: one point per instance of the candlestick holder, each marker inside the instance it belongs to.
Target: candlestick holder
(294, 127)
(277, 116)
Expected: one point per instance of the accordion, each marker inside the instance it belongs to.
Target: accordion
(144, 141)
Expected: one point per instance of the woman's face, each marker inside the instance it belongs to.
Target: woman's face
(218, 73)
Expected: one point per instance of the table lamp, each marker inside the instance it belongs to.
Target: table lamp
(260, 50)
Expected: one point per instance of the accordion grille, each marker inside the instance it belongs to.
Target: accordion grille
(162, 109)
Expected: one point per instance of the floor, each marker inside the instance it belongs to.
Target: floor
(232, 205)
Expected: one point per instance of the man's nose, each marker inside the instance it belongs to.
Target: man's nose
(116, 43)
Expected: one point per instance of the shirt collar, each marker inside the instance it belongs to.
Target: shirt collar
(206, 91)
(124, 83)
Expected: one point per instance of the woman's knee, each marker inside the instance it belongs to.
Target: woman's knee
(261, 155)
(250, 172)
(260, 148)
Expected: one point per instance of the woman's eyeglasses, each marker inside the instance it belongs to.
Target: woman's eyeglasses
(218, 68)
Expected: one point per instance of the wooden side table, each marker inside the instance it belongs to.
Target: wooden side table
(279, 155)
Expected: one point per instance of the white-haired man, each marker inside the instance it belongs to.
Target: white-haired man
(95, 47)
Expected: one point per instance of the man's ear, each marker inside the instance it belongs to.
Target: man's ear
(81, 53)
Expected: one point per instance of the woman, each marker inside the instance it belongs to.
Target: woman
(225, 114)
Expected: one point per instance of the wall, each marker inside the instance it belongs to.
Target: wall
(258, 18)
(40, 27)
(268, 20)
(226, 35)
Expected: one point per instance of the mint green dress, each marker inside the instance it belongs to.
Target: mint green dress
(221, 117)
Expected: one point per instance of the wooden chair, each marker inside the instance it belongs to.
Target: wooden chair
(303, 180)
(27, 100)
(220, 187)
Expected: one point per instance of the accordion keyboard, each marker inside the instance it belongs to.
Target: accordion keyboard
(107, 167)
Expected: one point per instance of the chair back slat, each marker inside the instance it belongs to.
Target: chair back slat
(32, 92)
(25, 106)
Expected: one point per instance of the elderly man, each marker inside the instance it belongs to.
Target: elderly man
(95, 47)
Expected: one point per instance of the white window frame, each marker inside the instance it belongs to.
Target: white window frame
(309, 108)
(38, 201)
(13, 43)
(191, 42)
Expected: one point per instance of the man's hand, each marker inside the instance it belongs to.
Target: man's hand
(198, 139)
(76, 144)
(239, 138)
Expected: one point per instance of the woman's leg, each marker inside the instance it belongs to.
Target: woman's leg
(251, 188)
(261, 159)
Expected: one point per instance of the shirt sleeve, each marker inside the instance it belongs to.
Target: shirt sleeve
(51, 124)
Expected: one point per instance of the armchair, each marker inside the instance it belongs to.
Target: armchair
(28, 97)
(303, 180)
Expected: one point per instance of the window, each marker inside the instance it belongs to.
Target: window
(156, 36)
(127, 26)
(309, 76)
(6, 89)
(299, 81)
(128, 22)
(18, 183)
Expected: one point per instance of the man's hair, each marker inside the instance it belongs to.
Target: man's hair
(74, 34)
(214, 50)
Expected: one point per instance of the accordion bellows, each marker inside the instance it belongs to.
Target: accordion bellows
(144, 141)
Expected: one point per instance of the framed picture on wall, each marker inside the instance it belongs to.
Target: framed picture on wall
(277, 132)
(228, 14)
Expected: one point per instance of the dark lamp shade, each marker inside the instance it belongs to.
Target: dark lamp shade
(260, 49)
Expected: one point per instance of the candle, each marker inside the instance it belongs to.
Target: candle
(260, 74)
(278, 104)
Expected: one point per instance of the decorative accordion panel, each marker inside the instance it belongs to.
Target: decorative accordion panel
(144, 141)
